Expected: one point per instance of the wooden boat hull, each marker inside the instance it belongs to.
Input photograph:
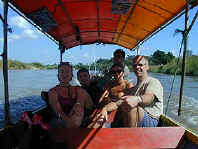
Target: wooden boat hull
(119, 138)
(169, 134)
(189, 139)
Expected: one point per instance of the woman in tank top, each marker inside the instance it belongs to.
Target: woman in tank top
(67, 101)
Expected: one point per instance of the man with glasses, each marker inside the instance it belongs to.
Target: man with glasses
(144, 105)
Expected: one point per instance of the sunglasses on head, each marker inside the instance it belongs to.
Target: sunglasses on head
(140, 65)
(116, 71)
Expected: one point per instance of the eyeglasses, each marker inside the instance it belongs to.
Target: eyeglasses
(139, 65)
(116, 71)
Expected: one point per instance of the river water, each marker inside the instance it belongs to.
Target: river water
(25, 87)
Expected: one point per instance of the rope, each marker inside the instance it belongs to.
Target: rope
(174, 75)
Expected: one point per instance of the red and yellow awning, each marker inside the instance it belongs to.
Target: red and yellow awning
(80, 22)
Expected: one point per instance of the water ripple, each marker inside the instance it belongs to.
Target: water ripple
(20, 105)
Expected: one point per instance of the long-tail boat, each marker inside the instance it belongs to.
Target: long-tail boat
(127, 23)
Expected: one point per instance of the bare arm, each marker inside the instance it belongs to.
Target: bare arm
(130, 85)
(111, 106)
(77, 112)
(114, 105)
(145, 99)
(88, 100)
(54, 103)
(82, 96)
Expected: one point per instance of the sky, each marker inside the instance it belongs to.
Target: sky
(28, 45)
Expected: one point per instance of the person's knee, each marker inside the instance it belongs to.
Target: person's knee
(148, 121)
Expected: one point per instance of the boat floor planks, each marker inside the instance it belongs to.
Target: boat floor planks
(118, 138)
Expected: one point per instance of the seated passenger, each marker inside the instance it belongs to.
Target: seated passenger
(67, 101)
(115, 90)
(89, 85)
(119, 58)
(144, 104)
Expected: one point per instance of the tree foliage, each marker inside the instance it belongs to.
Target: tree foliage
(161, 58)
(38, 65)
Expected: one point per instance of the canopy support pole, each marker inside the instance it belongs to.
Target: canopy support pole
(62, 50)
(185, 36)
(61, 56)
(5, 65)
(137, 49)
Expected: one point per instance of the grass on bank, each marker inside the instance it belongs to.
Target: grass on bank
(172, 67)
(14, 64)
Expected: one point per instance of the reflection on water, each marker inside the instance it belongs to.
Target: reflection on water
(25, 87)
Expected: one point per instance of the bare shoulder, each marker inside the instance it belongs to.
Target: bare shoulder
(129, 84)
(52, 94)
(52, 90)
(154, 81)
(79, 89)
(129, 87)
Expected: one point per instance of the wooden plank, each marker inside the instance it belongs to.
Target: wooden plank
(119, 138)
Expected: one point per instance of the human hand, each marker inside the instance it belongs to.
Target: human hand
(129, 103)
(101, 117)
(77, 110)
(76, 115)
(103, 114)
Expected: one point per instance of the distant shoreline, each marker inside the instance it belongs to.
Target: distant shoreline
(169, 68)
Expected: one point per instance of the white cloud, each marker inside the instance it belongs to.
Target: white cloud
(29, 33)
(13, 37)
(25, 34)
(146, 50)
(19, 22)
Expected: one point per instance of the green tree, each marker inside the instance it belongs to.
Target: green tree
(160, 57)
(1, 65)
(37, 65)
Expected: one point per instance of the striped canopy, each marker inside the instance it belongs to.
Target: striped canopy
(81, 22)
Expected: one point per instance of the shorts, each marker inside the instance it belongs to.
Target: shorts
(148, 121)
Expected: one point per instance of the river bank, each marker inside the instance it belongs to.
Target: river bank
(171, 67)
(176, 67)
